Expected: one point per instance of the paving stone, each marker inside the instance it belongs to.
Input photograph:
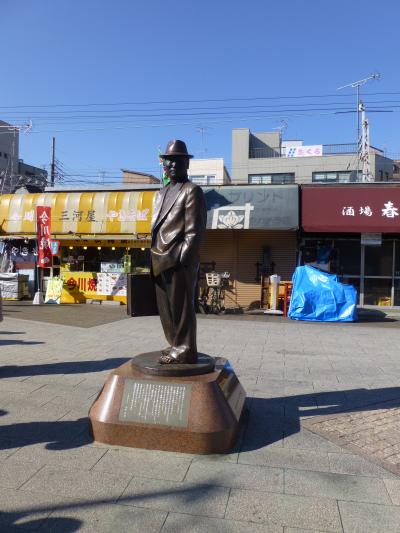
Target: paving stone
(369, 518)
(236, 475)
(83, 457)
(144, 463)
(24, 511)
(79, 483)
(180, 523)
(306, 440)
(393, 488)
(297, 530)
(190, 498)
(286, 457)
(107, 518)
(335, 486)
(283, 509)
(7, 448)
(373, 432)
(230, 457)
(346, 463)
(14, 475)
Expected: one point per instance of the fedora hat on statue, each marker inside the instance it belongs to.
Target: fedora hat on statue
(176, 148)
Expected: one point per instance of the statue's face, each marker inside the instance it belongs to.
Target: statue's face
(176, 167)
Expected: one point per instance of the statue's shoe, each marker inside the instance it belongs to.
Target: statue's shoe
(182, 358)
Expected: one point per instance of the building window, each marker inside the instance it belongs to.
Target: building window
(331, 177)
(5, 155)
(205, 179)
(275, 179)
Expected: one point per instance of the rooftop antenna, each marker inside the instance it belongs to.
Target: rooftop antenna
(356, 85)
(202, 130)
(283, 126)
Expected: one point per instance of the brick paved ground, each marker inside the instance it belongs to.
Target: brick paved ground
(281, 477)
(373, 432)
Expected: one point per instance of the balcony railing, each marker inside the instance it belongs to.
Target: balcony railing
(327, 149)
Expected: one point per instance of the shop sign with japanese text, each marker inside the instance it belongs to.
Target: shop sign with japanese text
(351, 209)
(252, 207)
(43, 219)
(55, 246)
(304, 151)
(78, 286)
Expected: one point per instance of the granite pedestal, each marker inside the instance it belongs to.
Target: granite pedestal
(183, 408)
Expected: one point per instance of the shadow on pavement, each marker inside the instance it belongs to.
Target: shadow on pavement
(189, 493)
(51, 524)
(374, 315)
(70, 367)
(10, 342)
(269, 420)
(58, 435)
(12, 332)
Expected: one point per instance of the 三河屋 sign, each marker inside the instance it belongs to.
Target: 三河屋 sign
(74, 214)
(351, 209)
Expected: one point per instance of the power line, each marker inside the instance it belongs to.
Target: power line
(152, 102)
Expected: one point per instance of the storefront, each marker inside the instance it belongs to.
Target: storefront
(251, 233)
(102, 236)
(354, 231)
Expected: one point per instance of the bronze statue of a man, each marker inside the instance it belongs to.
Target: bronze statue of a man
(178, 224)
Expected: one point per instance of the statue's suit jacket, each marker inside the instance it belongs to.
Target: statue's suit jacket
(178, 223)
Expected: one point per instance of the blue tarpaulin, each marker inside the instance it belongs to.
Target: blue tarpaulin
(319, 296)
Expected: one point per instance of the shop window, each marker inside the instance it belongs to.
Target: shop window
(377, 291)
(282, 179)
(397, 259)
(396, 300)
(349, 280)
(275, 179)
(342, 257)
(347, 257)
(331, 177)
(206, 179)
(379, 259)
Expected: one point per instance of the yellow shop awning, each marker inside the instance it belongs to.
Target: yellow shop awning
(79, 214)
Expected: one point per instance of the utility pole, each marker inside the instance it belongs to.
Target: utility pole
(356, 85)
(53, 162)
(365, 146)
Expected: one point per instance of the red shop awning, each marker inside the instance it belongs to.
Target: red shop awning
(351, 209)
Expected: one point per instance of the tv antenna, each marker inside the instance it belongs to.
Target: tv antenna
(356, 85)
(283, 126)
(202, 130)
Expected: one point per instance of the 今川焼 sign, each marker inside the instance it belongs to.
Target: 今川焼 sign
(43, 219)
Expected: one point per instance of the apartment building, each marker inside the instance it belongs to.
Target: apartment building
(264, 158)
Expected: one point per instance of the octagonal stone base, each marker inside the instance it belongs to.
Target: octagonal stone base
(192, 414)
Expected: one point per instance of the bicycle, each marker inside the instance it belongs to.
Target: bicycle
(216, 284)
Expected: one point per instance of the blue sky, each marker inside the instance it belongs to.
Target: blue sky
(129, 53)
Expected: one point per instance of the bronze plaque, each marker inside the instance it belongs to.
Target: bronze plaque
(155, 402)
